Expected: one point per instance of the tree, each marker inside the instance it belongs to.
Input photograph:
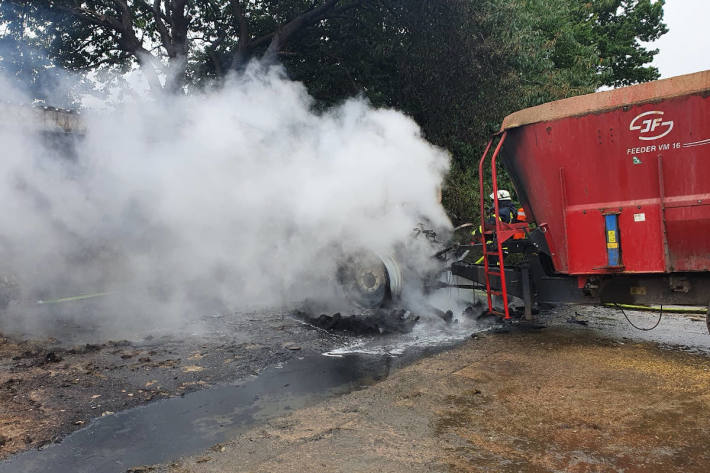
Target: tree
(617, 27)
(459, 66)
(456, 66)
(24, 62)
(197, 38)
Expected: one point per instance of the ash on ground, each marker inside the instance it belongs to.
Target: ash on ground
(368, 322)
(383, 321)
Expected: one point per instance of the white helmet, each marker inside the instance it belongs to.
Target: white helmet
(502, 195)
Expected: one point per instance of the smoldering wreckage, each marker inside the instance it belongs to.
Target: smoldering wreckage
(152, 242)
(370, 285)
(556, 264)
(580, 245)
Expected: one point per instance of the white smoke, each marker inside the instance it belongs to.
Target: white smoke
(244, 195)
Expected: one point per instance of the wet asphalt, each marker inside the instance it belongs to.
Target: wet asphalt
(336, 363)
(167, 429)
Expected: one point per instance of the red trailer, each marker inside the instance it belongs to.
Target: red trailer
(617, 184)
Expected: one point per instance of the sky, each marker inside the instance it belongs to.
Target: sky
(686, 46)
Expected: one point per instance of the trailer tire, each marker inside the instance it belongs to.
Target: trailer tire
(363, 276)
(707, 318)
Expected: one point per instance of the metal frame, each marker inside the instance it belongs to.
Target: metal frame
(501, 232)
(531, 283)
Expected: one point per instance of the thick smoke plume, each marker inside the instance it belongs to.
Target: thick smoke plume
(243, 197)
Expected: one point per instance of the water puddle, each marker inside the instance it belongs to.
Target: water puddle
(423, 335)
(687, 332)
(166, 430)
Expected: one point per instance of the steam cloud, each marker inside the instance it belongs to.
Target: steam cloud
(243, 195)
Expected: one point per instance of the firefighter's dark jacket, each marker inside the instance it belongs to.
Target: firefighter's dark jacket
(508, 214)
(508, 211)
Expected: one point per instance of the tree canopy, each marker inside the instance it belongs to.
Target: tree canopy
(456, 66)
(198, 38)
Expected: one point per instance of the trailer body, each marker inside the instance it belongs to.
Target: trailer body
(619, 180)
(617, 187)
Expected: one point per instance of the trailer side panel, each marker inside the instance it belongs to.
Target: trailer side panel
(624, 190)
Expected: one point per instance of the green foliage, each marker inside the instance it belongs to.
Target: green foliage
(23, 61)
(456, 66)
(616, 27)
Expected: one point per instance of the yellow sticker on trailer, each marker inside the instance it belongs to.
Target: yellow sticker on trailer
(612, 246)
(611, 236)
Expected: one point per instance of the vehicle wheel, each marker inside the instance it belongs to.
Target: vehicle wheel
(364, 278)
(707, 318)
(370, 280)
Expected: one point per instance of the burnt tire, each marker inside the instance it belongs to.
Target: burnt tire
(363, 276)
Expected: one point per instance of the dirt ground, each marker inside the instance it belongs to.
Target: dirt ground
(587, 393)
(554, 400)
(49, 389)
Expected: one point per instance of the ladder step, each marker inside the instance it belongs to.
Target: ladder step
(494, 273)
(497, 293)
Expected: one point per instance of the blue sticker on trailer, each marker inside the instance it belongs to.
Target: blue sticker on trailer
(612, 240)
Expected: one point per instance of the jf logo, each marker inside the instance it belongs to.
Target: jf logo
(651, 126)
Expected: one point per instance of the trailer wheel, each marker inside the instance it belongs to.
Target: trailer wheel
(707, 318)
(369, 280)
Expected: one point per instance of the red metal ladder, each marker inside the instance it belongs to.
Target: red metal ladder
(501, 232)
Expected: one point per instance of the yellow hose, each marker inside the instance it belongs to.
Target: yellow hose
(74, 298)
(657, 308)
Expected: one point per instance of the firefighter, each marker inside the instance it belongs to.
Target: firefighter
(508, 214)
(507, 210)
